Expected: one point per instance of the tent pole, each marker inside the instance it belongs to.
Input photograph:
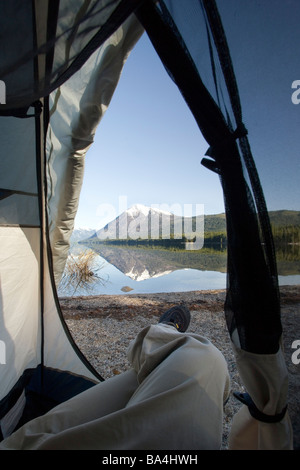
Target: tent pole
(39, 132)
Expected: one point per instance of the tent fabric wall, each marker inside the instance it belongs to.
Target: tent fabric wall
(37, 221)
(21, 206)
(76, 109)
(19, 250)
(61, 34)
(20, 302)
(27, 296)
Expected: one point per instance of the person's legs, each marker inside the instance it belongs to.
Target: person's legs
(103, 399)
(183, 383)
(173, 399)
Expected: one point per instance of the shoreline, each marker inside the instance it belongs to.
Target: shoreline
(290, 290)
(103, 326)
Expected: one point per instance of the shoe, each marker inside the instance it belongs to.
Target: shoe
(178, 316)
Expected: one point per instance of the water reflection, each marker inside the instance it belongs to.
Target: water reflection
(82, 272)
(142, 264)
(152, 270)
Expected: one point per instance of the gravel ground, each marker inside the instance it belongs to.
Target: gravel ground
(103, 327)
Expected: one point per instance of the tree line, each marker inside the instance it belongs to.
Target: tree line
(282, 235)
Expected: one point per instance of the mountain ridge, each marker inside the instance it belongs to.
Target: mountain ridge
(134, 225)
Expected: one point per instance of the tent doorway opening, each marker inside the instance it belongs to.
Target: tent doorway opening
(155, 161)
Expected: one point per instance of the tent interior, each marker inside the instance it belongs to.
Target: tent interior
(61, 61)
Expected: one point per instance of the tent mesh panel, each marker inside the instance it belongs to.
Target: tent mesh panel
(252, 305)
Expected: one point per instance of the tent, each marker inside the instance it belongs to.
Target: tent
(60, 63)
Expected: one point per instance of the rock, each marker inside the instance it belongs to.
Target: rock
(126, 289)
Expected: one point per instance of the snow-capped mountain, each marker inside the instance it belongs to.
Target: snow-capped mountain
(138, 209)
(136, 264)
(137, 276)
(82, 233)
(141, 221)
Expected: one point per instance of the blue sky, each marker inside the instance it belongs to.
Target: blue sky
(148, 147)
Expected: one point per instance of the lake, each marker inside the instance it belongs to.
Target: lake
(140, 271)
